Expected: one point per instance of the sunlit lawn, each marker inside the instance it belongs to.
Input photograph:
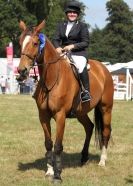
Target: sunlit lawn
(22, 152)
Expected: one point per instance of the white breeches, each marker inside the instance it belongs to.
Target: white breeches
(80, 62)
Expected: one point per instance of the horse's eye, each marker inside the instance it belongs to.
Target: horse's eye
(35, 44)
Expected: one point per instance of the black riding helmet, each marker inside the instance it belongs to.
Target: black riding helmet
(73, 6)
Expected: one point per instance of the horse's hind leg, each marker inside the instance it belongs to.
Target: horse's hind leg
(106, 112)
(106, 134)
(88, 126)
(45, 122)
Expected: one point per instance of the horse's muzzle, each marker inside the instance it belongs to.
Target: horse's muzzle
(22, 74)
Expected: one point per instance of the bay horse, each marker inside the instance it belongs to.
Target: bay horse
(57, 93)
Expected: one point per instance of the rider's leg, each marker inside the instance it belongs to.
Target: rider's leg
(85, 94)
(80, 63)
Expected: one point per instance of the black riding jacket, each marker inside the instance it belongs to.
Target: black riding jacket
(78, 35)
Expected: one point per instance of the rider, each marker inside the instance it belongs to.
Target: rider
(73, 35)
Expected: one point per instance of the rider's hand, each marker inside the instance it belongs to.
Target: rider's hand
(59, 50)
(68, 48)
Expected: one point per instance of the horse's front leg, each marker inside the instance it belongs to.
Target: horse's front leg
(45, 121)
(58, 147)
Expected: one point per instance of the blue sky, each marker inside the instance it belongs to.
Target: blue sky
(96, 13)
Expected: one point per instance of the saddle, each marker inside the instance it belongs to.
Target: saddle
(75, 70)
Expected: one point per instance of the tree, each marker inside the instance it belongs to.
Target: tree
(114, 42)
(56, 14)
(97, 45)
(119, 31)
(40, 8)
(12, 11)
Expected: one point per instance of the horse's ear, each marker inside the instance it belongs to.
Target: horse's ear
(22, 25)
(40, 26)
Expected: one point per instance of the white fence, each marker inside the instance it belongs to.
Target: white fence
(124, 91)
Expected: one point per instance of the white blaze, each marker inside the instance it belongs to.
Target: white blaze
(26, 40)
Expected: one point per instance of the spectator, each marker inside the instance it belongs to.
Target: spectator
(3, 84)
(8, 81)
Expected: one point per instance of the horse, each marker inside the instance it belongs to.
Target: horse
(57, 93)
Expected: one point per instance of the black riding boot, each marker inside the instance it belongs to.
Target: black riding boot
(85, 94)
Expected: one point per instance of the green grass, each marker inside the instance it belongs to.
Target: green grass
(22, 160)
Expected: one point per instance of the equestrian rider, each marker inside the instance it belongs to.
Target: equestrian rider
(73, 35)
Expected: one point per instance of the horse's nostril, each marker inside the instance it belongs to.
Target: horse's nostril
(18, 70)
(22, 71)
(25, 71)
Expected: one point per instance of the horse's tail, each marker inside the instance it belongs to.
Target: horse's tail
(98, 119)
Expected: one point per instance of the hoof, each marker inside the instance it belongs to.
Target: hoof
(84, 161)
(57, 180)
(50, 172)
(102, 163)
(49, 177)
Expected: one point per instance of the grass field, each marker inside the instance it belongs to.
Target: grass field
(22, 161)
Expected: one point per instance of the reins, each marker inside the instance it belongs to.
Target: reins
(52, 62)
(36, 64)
(46, 89)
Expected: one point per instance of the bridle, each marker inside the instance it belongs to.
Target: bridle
(42, 80)
(27, 55)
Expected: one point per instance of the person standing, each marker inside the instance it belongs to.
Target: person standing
(3, 84)
(8, 83)
(73, 35)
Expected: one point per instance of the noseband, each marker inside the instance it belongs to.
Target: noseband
(27, 55)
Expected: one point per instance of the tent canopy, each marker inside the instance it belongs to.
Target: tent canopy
(122, 71)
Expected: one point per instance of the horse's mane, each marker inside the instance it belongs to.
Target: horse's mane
(50, 51)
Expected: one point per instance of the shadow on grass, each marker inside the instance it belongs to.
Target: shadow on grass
(129, 180)
(69, 160)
